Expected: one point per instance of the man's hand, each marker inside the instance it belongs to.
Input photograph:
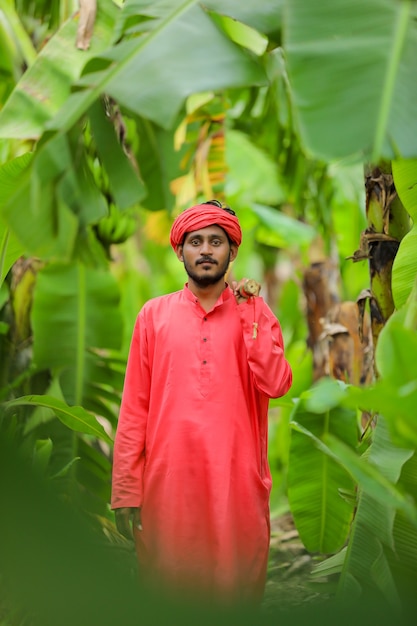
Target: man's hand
(126, 519)
(245, 289)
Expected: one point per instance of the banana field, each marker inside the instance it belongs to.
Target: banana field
(302, 117)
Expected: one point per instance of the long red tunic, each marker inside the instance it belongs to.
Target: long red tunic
(191, 443)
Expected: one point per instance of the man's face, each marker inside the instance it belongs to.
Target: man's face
(206, 254)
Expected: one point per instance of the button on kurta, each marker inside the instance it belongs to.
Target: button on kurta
(205, 354)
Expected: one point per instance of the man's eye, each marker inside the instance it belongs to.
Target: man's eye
(216, 242)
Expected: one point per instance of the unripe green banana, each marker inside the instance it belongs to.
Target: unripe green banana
(116, 227)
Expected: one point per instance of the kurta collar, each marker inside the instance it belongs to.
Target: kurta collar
(225, 295)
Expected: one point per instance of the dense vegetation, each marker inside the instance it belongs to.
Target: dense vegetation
(301, 116)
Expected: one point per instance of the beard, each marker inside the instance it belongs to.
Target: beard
(204, 280)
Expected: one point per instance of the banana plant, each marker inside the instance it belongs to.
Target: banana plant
(128, 91)
(352, 88)
(378, 561)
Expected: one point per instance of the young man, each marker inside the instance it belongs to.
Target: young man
(190, 457)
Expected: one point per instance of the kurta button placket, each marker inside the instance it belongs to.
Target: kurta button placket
(205, 373)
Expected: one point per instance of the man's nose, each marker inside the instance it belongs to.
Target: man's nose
(206, 248)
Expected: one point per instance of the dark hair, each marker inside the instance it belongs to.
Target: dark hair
(218, 204)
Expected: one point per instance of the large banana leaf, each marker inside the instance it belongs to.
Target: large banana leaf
(159, 163)
(352, 75)
(125, 184)
(253, 174)
(41, 196)
(366, 567)
(280, 230)
(145, 73)
(403, 561)
(74, 417)
(45, 86)
(178, 52)
(75, 309)
(11, 248)
(321, 515)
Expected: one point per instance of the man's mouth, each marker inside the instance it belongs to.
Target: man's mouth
(206, 262)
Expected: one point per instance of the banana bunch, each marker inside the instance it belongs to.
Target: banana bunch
(117, 226)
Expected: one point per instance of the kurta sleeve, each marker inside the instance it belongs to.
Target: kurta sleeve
(264, 343)
(129, 445)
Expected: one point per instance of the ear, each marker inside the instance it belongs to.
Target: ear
(233, 251)
(178, 252)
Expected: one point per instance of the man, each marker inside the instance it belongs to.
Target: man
(190, 455)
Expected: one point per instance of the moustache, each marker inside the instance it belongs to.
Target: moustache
(202, 261)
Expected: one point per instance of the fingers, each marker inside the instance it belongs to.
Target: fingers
(245, 288)
(137, 519)
(124, 517)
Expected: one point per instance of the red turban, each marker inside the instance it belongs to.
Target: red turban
(201, 216)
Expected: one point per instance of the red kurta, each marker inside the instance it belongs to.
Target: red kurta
(191, 443)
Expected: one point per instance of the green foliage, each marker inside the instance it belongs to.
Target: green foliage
(315, 480)
(385, 520)
(75, 309)
(366, 568)
(88, 149)
(404, 269)
(127, 188)
(368, 77)
(74, 417)
(46, 85)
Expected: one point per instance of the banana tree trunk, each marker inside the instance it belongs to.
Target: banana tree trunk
(321, 291)
(388, 222)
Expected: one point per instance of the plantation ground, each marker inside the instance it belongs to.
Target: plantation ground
(289, 570)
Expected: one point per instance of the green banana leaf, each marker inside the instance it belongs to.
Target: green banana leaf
(394, 395)
(74, 417)
(93, 473)
(159, 163)
(16, 49)
(404, 269)
(395, 355)
(145, 74)
(49, 197)
(43, 225)
(103, 389)
(253, 174)
(46, 84)
(265, 16)
(76, 308)
(280, 230)
(329, 394)
(125, 184)
(351, 70)
(366, 567)
(321, 515)
(10, 251)
(403, 560)
(73, 460)
(369, 478)
(42, 454)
